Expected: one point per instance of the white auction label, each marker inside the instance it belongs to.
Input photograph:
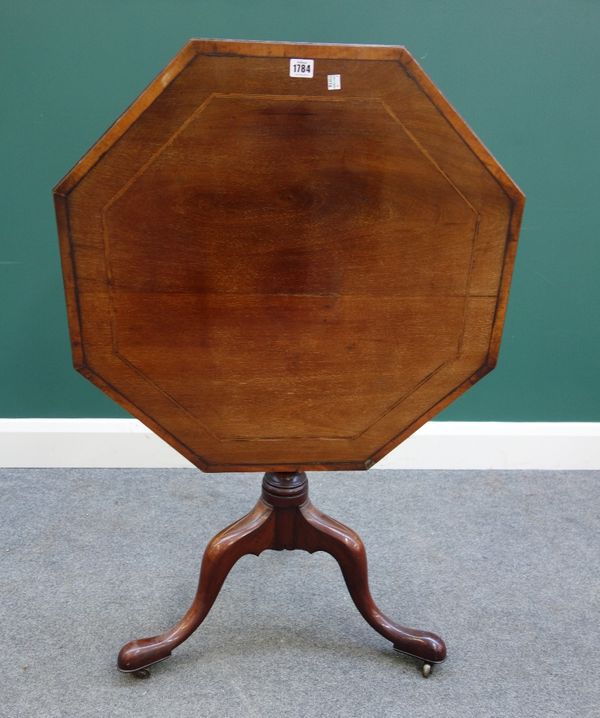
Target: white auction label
(334, 82)
(302, 68)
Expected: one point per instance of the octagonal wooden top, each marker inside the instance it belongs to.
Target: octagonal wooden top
(287, 256)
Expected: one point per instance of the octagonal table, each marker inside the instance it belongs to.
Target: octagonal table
(285, 257)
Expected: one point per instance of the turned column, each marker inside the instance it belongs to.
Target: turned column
(283, 518)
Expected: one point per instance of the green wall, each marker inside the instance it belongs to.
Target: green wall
(525, 74)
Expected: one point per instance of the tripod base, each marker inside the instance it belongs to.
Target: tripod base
(283, 518)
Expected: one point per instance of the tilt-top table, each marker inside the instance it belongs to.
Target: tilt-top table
(285, 257)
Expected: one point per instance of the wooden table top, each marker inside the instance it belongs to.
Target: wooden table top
(287, 256)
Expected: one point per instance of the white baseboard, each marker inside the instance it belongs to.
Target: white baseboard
(438, 445)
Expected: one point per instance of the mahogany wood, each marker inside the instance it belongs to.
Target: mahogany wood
(275, 276)
(283, 518)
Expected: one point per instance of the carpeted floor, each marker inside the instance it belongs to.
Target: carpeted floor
(506, 566)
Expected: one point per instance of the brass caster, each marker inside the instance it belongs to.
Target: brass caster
(141, 673)
(426, 670)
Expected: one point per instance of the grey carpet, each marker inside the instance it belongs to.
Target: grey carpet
(504, 565)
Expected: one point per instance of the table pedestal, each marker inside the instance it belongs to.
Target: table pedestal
(283, 518)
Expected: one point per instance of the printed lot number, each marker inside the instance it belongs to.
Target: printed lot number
(302, 68)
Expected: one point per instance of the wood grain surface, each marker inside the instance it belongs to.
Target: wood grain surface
(276, 276)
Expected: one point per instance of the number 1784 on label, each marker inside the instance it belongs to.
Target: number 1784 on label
(302, 68)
